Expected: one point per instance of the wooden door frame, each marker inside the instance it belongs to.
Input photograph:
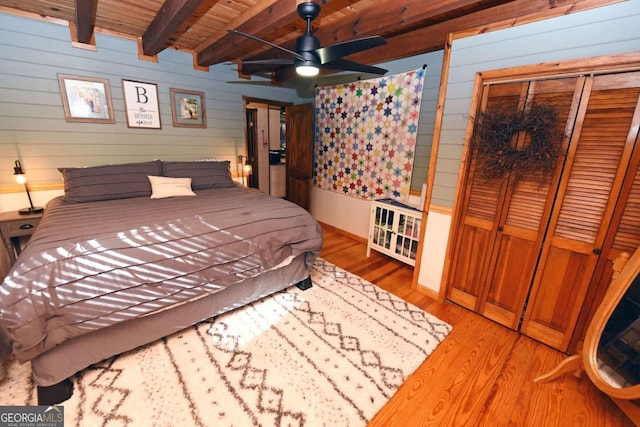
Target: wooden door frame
(571, 68)
(254, 164)
(251, 114)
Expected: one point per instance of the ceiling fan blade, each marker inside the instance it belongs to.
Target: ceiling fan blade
(346, 65)
(275, 61)
(338, 50)
(251, 82)
(259, 66)
(290, 52)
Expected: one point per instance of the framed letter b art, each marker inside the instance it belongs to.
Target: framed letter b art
(86, 99)
(141, 104)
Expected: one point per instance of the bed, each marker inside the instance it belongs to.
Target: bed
(132, 253)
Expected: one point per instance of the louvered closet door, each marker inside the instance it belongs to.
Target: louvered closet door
(526, 212)
(482, 206)
(624, 236)
(599, 154)
(503, 221)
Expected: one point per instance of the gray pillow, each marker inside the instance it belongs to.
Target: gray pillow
(108, 182)
(203, 174)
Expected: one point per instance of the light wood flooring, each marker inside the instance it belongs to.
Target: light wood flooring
(482, 373)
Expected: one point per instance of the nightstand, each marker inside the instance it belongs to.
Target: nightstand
(13, 226)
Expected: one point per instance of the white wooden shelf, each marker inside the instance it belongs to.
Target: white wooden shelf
(394, 230)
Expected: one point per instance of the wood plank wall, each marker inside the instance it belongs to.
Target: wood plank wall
(601, 31)
(32, 124)
(33, 128)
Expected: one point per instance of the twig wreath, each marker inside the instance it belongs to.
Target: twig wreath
(497, 155)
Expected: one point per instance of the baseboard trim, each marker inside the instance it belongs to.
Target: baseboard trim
(344, 232)
(428, 292)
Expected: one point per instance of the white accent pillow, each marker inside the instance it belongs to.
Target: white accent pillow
(162, 187)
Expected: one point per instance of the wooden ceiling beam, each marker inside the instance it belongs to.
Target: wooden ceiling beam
(395, 17)
(84, 19)
(171, 15)
(389, 18)
(433, 37)
(279, 14)
(279, 17)
(392, 19)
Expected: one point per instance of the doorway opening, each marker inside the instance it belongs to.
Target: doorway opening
(266, 145)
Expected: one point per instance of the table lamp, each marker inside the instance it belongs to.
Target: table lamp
(21, 178)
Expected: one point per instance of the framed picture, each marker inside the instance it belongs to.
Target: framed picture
(86, 99)
(141, 104)
(187, 108)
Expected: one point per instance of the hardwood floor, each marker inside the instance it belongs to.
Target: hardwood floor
(482, 373)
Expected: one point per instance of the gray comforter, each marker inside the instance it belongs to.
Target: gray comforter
(92, 265)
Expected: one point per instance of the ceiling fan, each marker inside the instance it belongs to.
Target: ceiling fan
(309, 57)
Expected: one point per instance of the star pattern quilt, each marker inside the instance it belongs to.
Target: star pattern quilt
(366, 136)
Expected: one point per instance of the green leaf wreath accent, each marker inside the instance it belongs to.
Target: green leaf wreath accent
(493, 142)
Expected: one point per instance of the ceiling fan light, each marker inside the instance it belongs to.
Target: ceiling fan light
(307, 70)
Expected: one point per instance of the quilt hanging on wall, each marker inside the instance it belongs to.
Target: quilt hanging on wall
(366, 136)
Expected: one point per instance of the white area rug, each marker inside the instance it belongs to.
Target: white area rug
(329, 356)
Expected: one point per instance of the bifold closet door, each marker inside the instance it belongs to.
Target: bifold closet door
(624, 237)
(602, 145)
(481, 206)
(503, 221)
(528, 252)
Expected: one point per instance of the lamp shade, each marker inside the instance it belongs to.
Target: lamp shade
(18, 173)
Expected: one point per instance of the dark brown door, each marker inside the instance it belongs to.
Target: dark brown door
(300, 131)
(252, 148)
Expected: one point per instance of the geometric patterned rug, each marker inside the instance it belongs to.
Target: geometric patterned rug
(329, 356)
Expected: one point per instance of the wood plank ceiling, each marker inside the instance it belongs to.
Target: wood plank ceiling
(200, 26)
